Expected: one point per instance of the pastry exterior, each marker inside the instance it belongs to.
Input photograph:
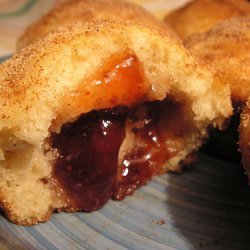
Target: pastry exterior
(201, 15)
(93, 111)
(225, 48)
(72, 11)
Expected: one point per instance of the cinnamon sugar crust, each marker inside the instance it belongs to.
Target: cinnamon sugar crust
(225, 48)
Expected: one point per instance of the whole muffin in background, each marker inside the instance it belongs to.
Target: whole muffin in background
(226, 49)
(72, 11)
(201, 15)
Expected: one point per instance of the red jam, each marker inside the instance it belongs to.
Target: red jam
(87, 165)
(120, 81)
(124, 84)
(157, 134)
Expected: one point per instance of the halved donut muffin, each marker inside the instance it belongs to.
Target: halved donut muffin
(72, 11)
(93, 111)
(200, 16)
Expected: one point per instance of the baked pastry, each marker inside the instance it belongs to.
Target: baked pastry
(201, 15)
(72, 11)
(93, 111)
(226, 49)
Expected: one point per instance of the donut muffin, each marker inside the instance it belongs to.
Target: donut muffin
(93, 111)
(201, 15)
(72, 11)
(225, 48)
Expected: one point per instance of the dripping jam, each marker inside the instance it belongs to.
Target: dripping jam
(88, 168)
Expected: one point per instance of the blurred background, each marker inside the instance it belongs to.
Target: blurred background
(16, 15)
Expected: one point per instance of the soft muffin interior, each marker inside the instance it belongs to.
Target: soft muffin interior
(154, 136)
(89, 155)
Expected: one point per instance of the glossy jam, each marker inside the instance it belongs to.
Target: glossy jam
(87, 165)
(119, 81)
(124, 84)
(157, 135)
(87, 168)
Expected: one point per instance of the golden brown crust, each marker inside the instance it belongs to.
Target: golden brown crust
(72, 11)
(201, 15)
(226, 49)
(44, 82)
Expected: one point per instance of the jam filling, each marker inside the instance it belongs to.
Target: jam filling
(120, 81)
(87, 165)
(156, 139)
(96, 161)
